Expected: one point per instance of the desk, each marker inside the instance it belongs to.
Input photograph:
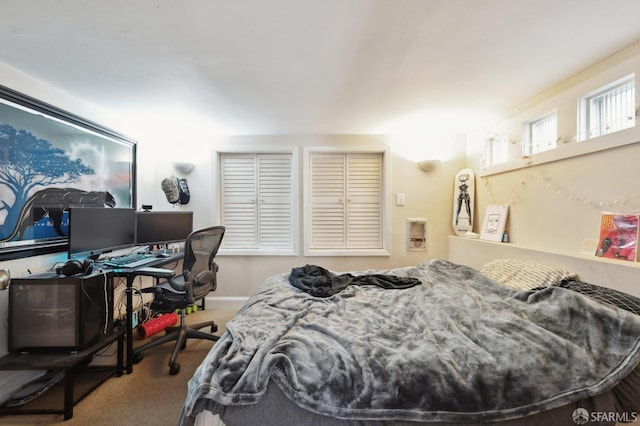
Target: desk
(130, 274)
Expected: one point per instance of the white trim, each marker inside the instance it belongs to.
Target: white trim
(527, 132)
(563, 101)
(624, 137)
(583, 103)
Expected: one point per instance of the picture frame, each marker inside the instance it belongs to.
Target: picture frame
(51, 159)
(494, 223)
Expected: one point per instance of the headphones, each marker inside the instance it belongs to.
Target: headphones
(74, 267)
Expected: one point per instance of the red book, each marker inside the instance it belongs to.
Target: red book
(618, 236)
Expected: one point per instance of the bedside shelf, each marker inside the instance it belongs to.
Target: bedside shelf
(620, 275)
(73, 365)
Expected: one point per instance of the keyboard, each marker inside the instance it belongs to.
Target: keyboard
(129, 261)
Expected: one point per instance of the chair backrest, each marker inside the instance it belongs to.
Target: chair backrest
(200, 249)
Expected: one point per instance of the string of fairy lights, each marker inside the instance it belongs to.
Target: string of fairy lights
(625, 204)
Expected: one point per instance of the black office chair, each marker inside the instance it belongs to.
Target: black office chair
(198, 278)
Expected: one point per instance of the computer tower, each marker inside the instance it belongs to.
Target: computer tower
(49, 312)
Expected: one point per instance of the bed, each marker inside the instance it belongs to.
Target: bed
(437, 342)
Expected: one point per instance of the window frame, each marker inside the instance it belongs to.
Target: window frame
(295, 214)
(568, 146)
(385, 207)
(494, 147)
(528, 134)
(584, 125)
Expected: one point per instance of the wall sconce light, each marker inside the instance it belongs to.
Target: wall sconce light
(5, 279)
(428, 165)
(184, 168)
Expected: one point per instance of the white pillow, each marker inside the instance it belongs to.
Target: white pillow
(524, 274)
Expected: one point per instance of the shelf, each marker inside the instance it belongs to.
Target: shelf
(620, 275)
(80, 377)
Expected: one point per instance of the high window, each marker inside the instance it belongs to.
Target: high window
(496, 150)
(608, 109)
(540, 135)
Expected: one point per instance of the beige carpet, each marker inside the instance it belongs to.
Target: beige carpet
(148, 396)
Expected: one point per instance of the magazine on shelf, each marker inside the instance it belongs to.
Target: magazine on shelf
(618, 237)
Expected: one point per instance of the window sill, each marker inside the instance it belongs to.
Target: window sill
(351, 253)
(255, 252)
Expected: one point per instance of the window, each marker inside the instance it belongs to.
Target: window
(609, 109)
(496, 150)
(605, 119)
(344, 200)
(257, 203)
(540, 135)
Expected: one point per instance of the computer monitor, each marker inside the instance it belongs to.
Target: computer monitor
(97, 230)
(163, 227)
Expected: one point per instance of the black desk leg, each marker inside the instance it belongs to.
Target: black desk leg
(119, 362)
(129, 329)
(68, 393)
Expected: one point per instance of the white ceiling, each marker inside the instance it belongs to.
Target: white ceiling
(310, 66)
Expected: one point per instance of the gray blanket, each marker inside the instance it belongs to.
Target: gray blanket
(457, 348)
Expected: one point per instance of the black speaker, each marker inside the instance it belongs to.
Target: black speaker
(74, 267)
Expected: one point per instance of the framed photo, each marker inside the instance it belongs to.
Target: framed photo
(495, 220)
(51, 159)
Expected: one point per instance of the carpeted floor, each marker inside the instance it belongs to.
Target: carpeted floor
(148, 396)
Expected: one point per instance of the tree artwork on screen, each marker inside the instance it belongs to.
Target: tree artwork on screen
(27, 164)
(51, 160)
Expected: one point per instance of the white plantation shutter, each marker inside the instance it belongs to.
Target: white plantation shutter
(239, 207)
(327, 208)
(364, 201)
(346, 201)
(256, 201)
(274, 195)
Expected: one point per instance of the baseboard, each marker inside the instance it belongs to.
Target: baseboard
(225, 303)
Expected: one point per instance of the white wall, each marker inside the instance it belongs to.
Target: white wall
(540, 217)
(428, 195)
(165, 139)
(556, 206)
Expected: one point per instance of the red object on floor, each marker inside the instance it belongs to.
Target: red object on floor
(156, 325)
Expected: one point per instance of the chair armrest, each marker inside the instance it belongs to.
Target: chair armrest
(153, 272)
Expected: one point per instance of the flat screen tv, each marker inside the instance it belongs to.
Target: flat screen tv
(163, 227)
(97, 230)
